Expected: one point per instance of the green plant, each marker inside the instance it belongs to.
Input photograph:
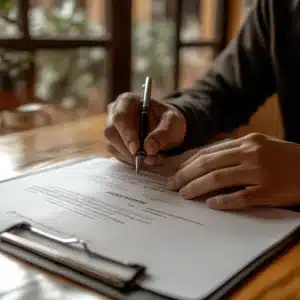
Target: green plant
(10, 61)
(12, 64)
(4, 5)
(153, 52)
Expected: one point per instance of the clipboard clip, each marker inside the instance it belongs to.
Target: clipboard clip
(127, 284)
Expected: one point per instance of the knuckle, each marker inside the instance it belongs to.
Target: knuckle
(119, 117)
(109, 131)
(203, 162)
(215, 179)
(179, 178)
(129, 100)
(256, 138)
(253, 146)
(170, 118)
(127, 96)
(125, 108)
(170, 114)
(191, 188)
(254, 154)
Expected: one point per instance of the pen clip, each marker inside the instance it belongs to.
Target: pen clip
(146, 97)
(142, 91)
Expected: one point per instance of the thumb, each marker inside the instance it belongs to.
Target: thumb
(163, 136)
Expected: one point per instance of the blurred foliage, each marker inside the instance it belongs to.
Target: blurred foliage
(4, 5)
(12, 63)
(66, 75)
(153, 52)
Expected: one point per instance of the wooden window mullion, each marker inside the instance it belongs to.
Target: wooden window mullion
(217, 43)
(178, 22)
(119, 76)
(30, 73)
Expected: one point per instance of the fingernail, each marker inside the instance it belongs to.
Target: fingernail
(152, 147)
(171, 184)
(133, 148)
(184, 194)
(213, 203)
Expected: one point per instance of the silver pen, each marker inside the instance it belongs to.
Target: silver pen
(144, 123)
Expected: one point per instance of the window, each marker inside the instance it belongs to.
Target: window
(201, 31)
(175, 41)
(67, 51)
(153, 33)
(72, 52)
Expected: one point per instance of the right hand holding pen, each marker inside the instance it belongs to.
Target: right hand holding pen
(167, 128)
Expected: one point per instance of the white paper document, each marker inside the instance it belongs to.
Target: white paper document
(189, 250)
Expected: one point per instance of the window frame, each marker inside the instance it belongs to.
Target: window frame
(217, 44)
(117, 45)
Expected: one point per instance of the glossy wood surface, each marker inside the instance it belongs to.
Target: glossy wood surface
(37, 148)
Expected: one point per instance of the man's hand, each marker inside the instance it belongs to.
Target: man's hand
(267, 169)
(167, 128)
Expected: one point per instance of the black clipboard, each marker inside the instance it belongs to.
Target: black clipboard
(39, 248)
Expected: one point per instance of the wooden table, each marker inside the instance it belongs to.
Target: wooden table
(40, 147)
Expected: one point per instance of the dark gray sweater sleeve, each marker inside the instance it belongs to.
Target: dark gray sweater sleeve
(238, 82)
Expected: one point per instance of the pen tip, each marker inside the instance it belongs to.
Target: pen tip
(138, 163)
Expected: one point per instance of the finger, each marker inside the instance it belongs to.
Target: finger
(217, 180)
(115, 144)
(118, 155)
(264, 198)
(202, 165)
(118, 149)
(212, 149)
(162, 137)
(154, 160)
(125, 118)
(112, 135)
(233, 201)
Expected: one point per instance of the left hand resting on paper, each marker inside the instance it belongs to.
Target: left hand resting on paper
(268, 169)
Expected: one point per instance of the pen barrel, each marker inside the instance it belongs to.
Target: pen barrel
(144, 123)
